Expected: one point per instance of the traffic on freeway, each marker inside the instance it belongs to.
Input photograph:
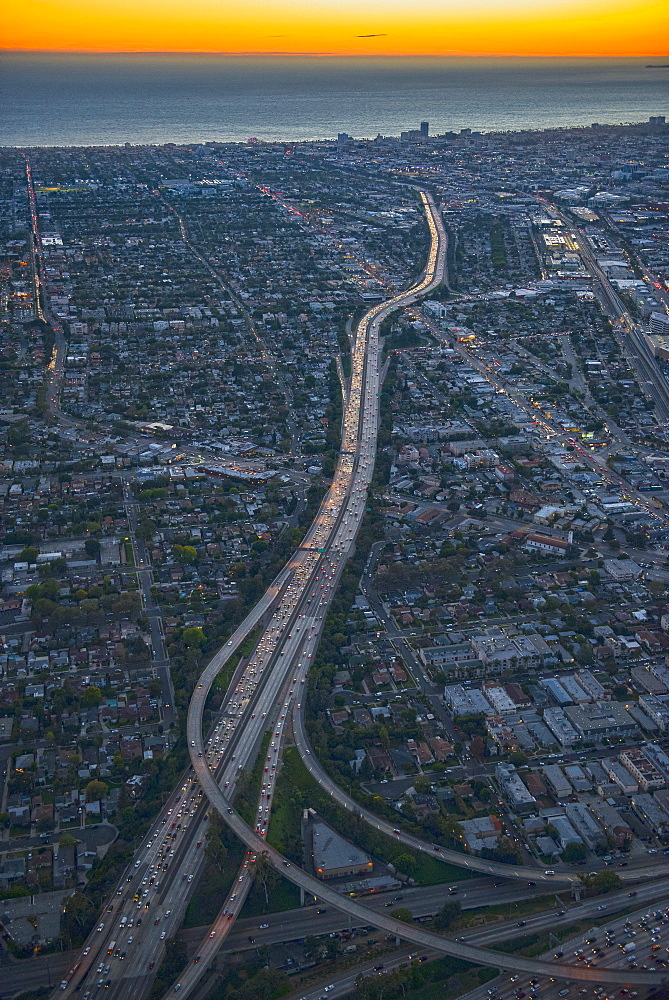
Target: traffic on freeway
(323, 556)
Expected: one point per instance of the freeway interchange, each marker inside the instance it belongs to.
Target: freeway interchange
(266, 694)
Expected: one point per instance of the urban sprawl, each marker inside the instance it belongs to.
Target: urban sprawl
(334, 559)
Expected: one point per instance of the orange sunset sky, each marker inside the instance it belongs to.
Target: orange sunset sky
(341, 27)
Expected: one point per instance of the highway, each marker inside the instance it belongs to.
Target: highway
(296, 924)
(292, 634)
(303, 604)
(158, 878)
(151, 897)
(426, 900)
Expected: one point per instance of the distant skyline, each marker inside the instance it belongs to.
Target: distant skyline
(342, 27)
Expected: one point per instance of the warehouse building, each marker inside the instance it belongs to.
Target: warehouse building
(333, 856)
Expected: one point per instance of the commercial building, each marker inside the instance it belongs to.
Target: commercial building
(658, 710)
(574, 689)
(517, 794)
(643, 769)
(577, 777)
(594, 722)
(498, 697)
(458, 659)
(622, 569)
(481, 833)
(584, 823)
(560, 726)
(466, 701)
(544, 543)
(619, 774)
(591, 685)
(334, 857)
(659, 323)
(557, 782)
(565, 831)
(647, 810)
(557, 692)
(612, 823)
(501, 654)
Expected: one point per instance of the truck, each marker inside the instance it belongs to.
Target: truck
(110, 947)
(630, 946)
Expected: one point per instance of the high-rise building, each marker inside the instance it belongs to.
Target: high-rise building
(424, 129)
(659, 323)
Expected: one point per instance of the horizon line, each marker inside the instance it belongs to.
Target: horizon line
(326, 55)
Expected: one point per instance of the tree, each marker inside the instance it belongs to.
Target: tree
(29, 554)
(214, 848)
(403, 914)
(50, 589)
(444, 917)
(145, 531)
(184, 553)
(573, 853)
(193, 637)
(422, 783)
(477, 747)
(605, 881)
(92, 547)
(67, 840)
(262, 871)
(96, 790)
(312, 947)
(405, 863)
(91, 697)
(78, 911)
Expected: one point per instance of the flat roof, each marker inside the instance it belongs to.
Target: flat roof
(331, 851)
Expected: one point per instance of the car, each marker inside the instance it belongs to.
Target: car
(101, 927)
(263, 927)
(212, 934)
(163, 935)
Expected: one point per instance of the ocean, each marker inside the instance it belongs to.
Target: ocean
(68, 100)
